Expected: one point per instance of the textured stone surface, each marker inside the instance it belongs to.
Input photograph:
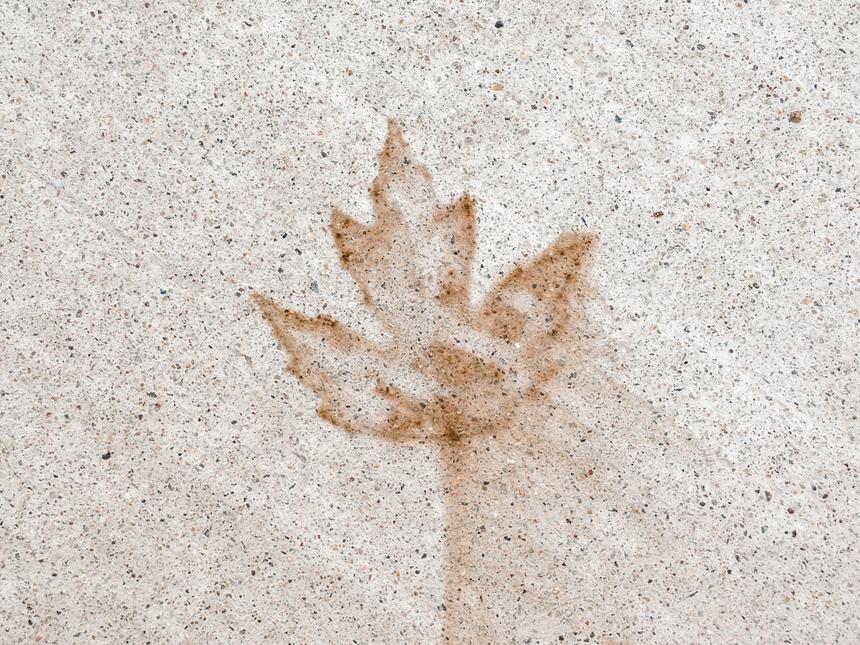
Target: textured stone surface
(165, 479)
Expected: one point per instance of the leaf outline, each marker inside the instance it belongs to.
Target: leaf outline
(452, 369)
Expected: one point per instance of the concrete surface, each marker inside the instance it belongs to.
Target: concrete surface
(166, 480)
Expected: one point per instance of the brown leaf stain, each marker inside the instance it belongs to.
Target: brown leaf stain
(499, 387)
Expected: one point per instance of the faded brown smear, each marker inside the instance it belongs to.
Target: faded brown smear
(450, 369)
(495, 386)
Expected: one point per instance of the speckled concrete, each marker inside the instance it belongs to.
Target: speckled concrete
(164, 479)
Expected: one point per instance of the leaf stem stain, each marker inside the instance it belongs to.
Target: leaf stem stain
(483, 382)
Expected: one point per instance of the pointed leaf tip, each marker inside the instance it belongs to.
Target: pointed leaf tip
(394, 129)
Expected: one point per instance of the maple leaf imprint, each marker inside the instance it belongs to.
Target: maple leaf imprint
(449, 369)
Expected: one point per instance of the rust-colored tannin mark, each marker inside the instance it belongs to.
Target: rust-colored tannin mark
(486, 382)
(451, 368)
